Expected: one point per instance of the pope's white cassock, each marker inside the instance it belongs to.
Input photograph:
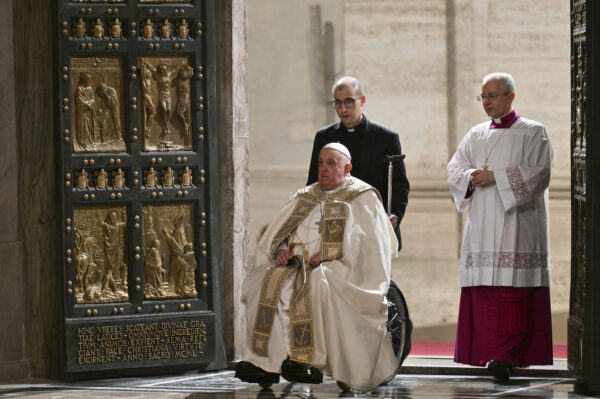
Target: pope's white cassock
(506, 235)
(332, 317)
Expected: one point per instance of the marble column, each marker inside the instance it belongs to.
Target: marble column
(233, 162)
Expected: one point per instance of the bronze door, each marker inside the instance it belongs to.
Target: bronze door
(137, 143)
(584, 312)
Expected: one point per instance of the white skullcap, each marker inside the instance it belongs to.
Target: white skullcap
(338, 147)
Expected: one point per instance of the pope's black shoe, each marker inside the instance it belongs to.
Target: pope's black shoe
(345, 387)
(500, 370)
(296, 372)
(248, 372)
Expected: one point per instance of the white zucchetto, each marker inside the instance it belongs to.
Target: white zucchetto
(338, 147)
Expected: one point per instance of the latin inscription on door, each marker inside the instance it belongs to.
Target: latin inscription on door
(163, 340)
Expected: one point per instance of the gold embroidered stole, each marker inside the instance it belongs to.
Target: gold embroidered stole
(273, 282)
(332, 237)
(301, 325)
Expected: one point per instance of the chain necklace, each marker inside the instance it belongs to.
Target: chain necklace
(487, 154)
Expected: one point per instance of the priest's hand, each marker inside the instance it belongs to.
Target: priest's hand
(482, 177)
(315, 260)
(394, 220)
(282, 257)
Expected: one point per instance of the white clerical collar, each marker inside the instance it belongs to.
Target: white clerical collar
(352, 129)
(498, 121)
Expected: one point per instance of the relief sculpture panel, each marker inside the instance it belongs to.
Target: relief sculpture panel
(97, 92)
(169, 257)
(165, 86)
(100, 254)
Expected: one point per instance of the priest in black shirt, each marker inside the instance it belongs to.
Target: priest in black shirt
(369, 143)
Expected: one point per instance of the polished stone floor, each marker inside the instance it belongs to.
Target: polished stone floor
(222, 385)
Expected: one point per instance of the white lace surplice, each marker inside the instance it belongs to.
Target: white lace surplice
(506, 235)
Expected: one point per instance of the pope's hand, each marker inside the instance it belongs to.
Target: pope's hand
(282, 257)
(315, 260)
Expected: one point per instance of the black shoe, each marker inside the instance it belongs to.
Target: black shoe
(296, 372)
(248, 372)
(500, 370)
(344, 387)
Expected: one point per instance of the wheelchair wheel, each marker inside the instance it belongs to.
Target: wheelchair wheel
(399, 323)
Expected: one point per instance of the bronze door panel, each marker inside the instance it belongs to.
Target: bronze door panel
(138, 199)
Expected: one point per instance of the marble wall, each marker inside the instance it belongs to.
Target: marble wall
(421, 65)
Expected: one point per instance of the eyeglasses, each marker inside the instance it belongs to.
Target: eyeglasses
(348, 102)
(491, 97)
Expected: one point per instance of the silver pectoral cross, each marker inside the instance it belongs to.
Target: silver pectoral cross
(320, 225)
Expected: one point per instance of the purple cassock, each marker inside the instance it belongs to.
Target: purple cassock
(504, 323)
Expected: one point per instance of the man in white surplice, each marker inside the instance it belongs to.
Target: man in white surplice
(502, 170)
(316, 294)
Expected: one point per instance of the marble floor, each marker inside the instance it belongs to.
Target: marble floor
(464, 383)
